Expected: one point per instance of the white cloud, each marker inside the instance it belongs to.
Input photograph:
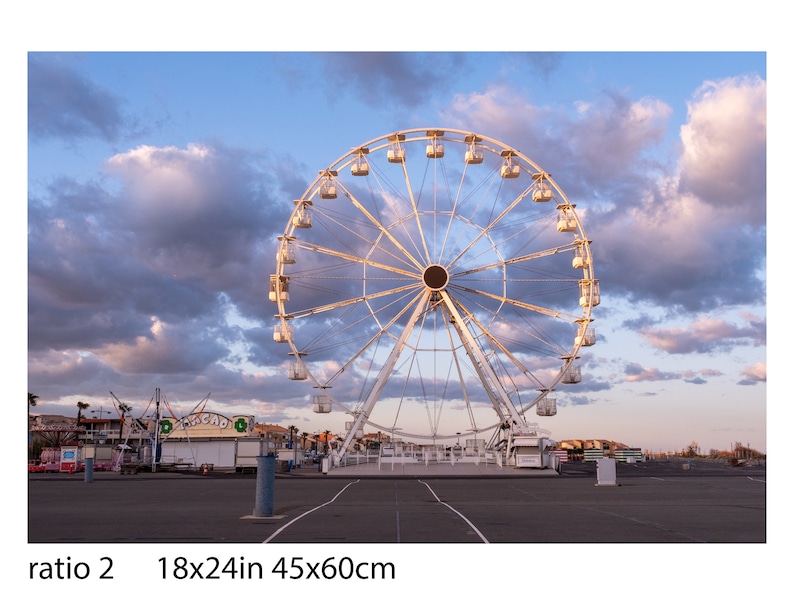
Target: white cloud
(724, 146)
(502, 112)
(696, 238)
(164, 179)
(755, 373)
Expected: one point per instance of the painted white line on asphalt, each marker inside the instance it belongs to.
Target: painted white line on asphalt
(296, 519)
(476, 530)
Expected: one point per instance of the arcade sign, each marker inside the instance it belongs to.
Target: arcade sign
(207, 424)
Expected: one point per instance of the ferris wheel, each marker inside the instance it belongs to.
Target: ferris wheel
(434, 284)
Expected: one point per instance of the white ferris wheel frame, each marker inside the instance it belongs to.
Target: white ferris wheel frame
(433, 278)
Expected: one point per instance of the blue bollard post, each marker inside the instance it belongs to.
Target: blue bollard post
(265, 484)
(89, 470)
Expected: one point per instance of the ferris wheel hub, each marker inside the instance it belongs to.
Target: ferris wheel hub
(435, 277)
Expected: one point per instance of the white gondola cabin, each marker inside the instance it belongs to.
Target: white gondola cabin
(474, 155)
(282, 332)
(585, 337)
(302, 217)
(435, 148)
(396, 152)
(546, 407)
(321, 404)
(510, 170)
(566, 221)
(285, 254)
(328, 189)
(581, 260)
(297, 371)
(360, 167)
(589, 293)
(573, 375)
(279, 288)
(542, 193)
(328, 185)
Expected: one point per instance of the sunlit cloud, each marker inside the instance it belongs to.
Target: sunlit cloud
(704, 335)
(754, 373)
(724, 146)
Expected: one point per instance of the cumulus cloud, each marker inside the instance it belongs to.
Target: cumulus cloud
(198, 212)
(164, 350)
(685, 247)
(506, 114)
(724, 147)
(141, 278)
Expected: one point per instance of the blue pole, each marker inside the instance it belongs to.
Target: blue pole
(89, 470)
(265, 484)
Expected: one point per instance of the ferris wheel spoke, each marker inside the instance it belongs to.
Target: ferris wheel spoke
(349, 302)
(518, 259)
(517, 303)
(349, 235)
(382, 228)
(420, 232)
(493, 223)
(341, 332)
(343, 256)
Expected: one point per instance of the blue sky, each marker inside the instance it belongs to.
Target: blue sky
(664, 152)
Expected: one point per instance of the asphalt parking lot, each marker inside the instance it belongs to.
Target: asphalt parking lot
(655, 502)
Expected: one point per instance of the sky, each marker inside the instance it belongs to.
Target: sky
(157, 183)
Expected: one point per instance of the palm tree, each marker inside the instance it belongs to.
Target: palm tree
(326, 440)
(292, 431)
(80, 407)
(304, 435)
(32, 400)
